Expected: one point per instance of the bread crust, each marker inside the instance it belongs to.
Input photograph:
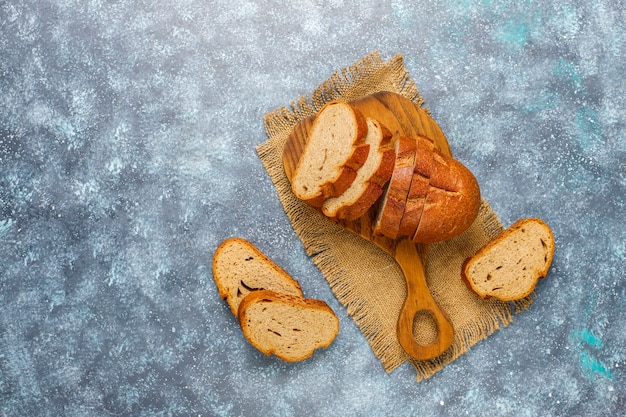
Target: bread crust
(452, 202)
(502, 236)
(346, 173)
(296, 302)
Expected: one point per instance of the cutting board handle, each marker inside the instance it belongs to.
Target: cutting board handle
(419, 300)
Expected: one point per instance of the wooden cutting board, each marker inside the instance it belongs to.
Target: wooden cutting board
(400, 115)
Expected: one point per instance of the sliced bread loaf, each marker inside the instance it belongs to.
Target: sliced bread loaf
(393, 201)
(452, 201)
(239, 267)
(334, 151)
(370, 178)
(509, 266)
(414, 205)
(287, 326)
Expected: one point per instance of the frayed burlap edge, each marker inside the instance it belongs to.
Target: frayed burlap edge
(328, 243)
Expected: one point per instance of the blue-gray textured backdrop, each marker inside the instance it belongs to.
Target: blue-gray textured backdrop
(127, 154)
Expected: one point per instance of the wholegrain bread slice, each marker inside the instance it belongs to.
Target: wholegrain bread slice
(509, 266)
(370, 178)
(290, 327)
(334, 151)
(239, 267)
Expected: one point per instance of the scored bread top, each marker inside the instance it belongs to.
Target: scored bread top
(239, 267)
(334, 151)
(370, 178)
(452, 202)
(509, 266)
(289, 327)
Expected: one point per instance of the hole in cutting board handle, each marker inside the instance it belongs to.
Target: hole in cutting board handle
(419, 301)
(425, 329)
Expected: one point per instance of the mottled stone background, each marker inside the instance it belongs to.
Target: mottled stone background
(127, 154)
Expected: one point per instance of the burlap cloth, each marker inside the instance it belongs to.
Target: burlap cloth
(365, 279)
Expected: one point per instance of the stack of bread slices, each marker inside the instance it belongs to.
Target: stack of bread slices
(269, 304)
(351, 164)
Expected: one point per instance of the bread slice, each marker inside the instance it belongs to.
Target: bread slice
(290, 327)
(452, 201)
(509, 266)
(422, 170)
(393, 201)
(370, 178)
(239, 267)
(334, 151)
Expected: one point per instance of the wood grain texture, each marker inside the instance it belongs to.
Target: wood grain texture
(401, 116)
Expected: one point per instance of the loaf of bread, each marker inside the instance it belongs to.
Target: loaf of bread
(239, 267)
(335, 150)
(452, 201)
(509, 266)
(370, 178)
(290, 327)
(430, 198)
(414, 192)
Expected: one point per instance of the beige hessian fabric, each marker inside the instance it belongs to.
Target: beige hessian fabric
(366, 280)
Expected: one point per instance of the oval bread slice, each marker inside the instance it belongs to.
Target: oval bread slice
(334, 151)
(509, 266)
(239, 267)
(290, 327)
